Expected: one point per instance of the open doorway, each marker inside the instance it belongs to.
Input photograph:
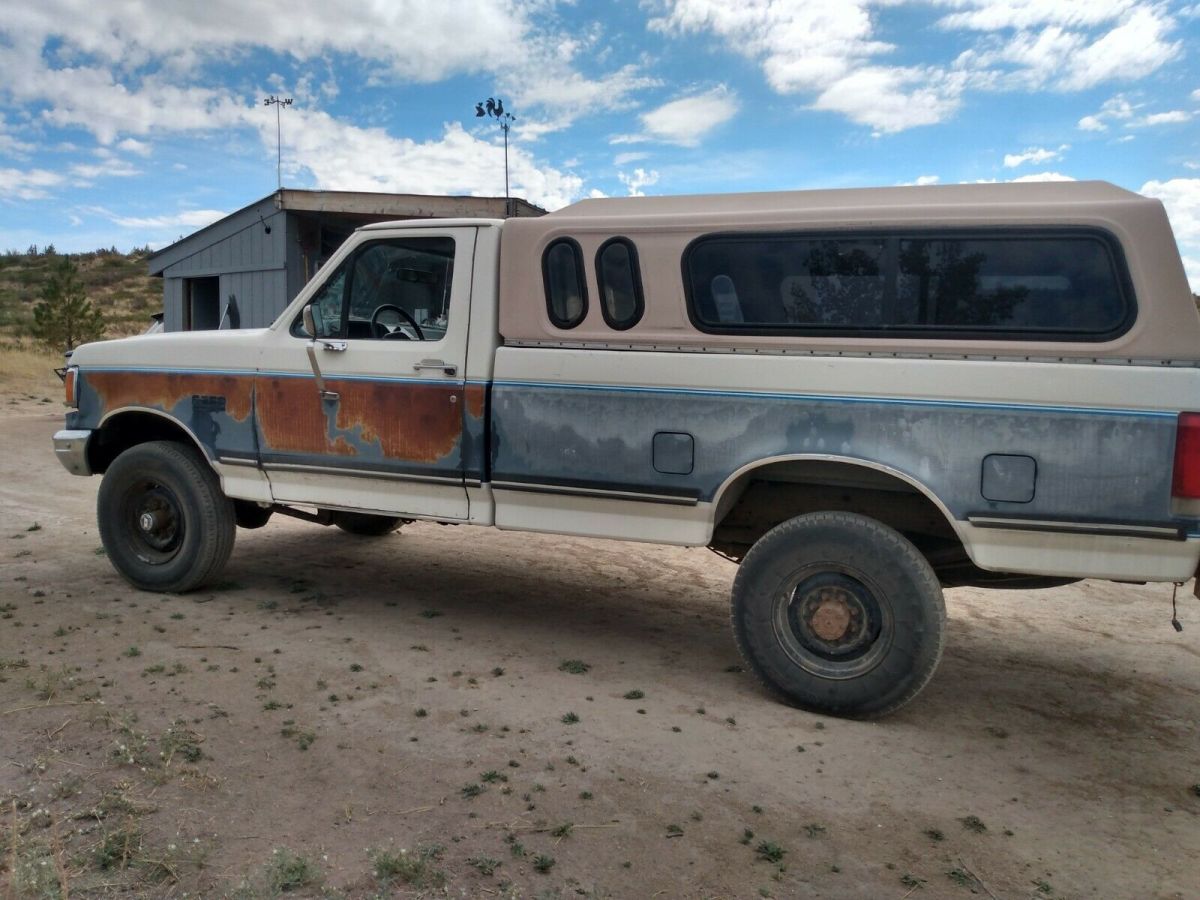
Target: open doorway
(201, 303)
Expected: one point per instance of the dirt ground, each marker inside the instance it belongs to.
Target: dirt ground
(336, 700)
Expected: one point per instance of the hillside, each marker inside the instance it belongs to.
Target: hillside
(116, 282)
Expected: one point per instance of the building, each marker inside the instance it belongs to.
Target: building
(243, 270)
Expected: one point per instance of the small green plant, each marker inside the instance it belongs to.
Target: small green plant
(960, 876)
(973, 823)
(288, 871)
(543, 863)
(496, 673)
(634, 695)
(1043, 886)
(674, 830)
(911, 881)
(747, 836)
(574, 666)
(814, 830)
(570, 719)
(491, 776)
(117, 849)
(356, 667)
(935, 834)
(472, 790)
(414, 869)
(421, 713)
(132, 652)
(563, 830)
(585, 795)
(485, 864)
(770, 851)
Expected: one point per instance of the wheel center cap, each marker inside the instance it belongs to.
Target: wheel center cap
(831, 619)
(147, 521)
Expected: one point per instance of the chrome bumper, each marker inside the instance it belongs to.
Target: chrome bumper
(71, 449)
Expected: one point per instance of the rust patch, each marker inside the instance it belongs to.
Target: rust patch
(416, 423)
(409, 422)
(165, 390)
(292, 419)
(476, 395)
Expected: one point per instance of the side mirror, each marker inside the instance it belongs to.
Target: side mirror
(310, 324)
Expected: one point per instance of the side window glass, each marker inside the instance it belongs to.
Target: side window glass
(326, 307)
(566, 289)
(620, 283)
(400, 290)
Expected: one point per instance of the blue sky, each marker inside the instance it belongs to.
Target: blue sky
(126, 124)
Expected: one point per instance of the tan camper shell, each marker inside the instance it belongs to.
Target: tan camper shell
(861, 396)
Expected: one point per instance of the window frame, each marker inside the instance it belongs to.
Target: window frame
(1108, 242)
(350, 262)
(639, 299)
(581, 270)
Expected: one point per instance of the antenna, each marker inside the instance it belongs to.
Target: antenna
(278, 103)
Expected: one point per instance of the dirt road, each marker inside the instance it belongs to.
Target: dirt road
(560, 718)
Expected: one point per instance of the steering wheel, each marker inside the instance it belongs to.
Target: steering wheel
(381, 331)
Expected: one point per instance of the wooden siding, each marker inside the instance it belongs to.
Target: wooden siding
(261, 296)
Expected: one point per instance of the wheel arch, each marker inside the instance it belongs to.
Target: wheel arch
(821, 475)
(128, 426)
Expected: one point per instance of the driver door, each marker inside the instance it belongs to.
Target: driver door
(368, 413)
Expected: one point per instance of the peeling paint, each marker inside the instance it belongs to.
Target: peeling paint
(165, 390)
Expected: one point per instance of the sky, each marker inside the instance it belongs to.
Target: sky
(125, 123)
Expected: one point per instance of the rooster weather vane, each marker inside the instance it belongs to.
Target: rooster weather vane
(494, 109)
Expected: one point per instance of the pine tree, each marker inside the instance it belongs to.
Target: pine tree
(65, 318)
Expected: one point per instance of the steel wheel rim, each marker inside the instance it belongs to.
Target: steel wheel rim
(832, 621)
(154, 522)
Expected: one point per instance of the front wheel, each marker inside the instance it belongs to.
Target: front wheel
(838, 613)
(164, 522)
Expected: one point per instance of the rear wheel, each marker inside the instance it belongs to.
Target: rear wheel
(365, 524)
(164, 522)
(838, 613)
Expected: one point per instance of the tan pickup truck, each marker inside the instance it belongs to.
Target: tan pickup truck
(861, 396)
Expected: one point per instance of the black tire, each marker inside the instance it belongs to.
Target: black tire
(838, 613)
(163, 519)
(365, 524)
(249, 514)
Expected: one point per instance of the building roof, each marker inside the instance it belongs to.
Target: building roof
(366, 206)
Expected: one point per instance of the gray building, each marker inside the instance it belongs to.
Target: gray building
(244, 269)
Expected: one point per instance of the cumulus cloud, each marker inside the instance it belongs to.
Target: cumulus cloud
(835, 52)
(636, 180)
(1181, 197)
(190, 218)
(687, 120)
(1034, 155)
(28, 184)
(1043, 176)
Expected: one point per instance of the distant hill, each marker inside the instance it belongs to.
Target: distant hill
(117, 283)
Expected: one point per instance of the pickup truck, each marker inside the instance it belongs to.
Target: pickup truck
(860, 396)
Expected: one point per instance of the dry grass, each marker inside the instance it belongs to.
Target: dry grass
(28, 369)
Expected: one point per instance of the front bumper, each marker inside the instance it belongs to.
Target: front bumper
(71, 449)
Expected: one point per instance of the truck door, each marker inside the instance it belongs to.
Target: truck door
(368, 413)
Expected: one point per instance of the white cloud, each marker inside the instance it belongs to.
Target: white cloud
(28, 184)
(1034, 155)
(190, 218)
(1044, 176)
(833, 51)
(624, 159)
(1092, 123)
(1114, 109)
(638, 179)
(129, 145)
(686, 120)
(1172, 117)
(1181, 197)
(341, 156)
(924, 180)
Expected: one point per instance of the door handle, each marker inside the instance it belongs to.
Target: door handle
(333, 346)
(312, 361)
(446, 368)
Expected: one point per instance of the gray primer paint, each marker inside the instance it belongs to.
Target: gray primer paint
(1091, 464)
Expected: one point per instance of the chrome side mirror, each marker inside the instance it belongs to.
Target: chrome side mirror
(310, 323)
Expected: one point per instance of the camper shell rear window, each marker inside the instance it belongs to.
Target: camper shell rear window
(1029, 284)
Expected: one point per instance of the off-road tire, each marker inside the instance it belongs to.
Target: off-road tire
(174, 481)
(365, 524)
(874, 574)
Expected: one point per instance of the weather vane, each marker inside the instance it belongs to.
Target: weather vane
(494, 109)
(278, 103)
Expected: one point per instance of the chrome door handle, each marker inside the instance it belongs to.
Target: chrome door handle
(333, 346)
(446, 368)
